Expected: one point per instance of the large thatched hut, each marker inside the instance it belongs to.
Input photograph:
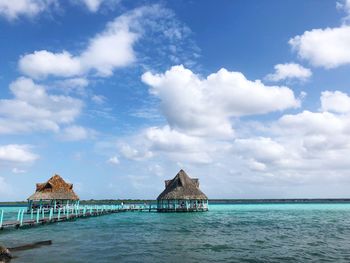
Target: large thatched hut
(182, 194)
(53, 194)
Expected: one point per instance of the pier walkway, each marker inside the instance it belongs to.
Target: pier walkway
(27, 219)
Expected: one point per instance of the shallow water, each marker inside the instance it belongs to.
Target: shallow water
(227, 233)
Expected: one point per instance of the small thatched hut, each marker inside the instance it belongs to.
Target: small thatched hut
(54, 193)
(182, 194)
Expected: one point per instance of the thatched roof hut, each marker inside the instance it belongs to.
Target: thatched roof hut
(54, 189)
(182, 194)
(182, 187)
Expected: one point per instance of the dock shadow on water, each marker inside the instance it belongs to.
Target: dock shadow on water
(6, 254)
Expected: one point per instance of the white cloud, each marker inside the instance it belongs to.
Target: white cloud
(199, 112)
(308, 122)
(289, 71)
(317, 140)
(114, 47)
(263, 150)
(113, 160)
(98, 99)
(166, 139)
(74, 83)
(17, 153)
(111, 49)
(328, 48)
(335, 101)
(18, 171)
(178, 146)
(344, 5)
(305, 147)
(134, 154)
(282, 158)
(172, 144)
(92, 5)
(107, 51)
(156, 169)
(256, 166)
(42, 63)
(95, 5)
(76, 133)
(205, 106)
(32, 108)
(12, 9)
(305, 144)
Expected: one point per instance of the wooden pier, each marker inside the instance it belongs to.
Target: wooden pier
(27, 219)
(182, 210)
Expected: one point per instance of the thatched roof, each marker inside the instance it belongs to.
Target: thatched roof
(54, 189)
(182, 187)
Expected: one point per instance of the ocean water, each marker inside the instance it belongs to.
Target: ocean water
(227, 233)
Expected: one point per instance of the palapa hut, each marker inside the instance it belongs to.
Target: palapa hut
(182, 194)
(53, 194)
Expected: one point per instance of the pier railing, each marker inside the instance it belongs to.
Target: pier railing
(28, 218)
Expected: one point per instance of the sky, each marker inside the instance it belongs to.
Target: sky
(251, 97)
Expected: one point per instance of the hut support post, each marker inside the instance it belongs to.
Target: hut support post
(19, 214)
(59, 214)
(37, 215)
(31, 213)
(22, 214)
(51, 213)
(54, 205)
(1, 217)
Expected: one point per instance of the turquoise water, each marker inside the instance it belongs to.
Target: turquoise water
(227, 233)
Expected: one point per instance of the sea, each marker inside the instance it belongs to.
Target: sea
(304, 232)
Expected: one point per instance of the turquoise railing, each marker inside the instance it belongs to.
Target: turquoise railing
(1, 217)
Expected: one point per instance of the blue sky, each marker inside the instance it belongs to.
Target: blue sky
(251, 97)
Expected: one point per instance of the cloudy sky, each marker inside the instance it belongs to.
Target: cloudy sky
(252, 97)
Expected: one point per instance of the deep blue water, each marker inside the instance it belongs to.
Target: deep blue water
(227, 233)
